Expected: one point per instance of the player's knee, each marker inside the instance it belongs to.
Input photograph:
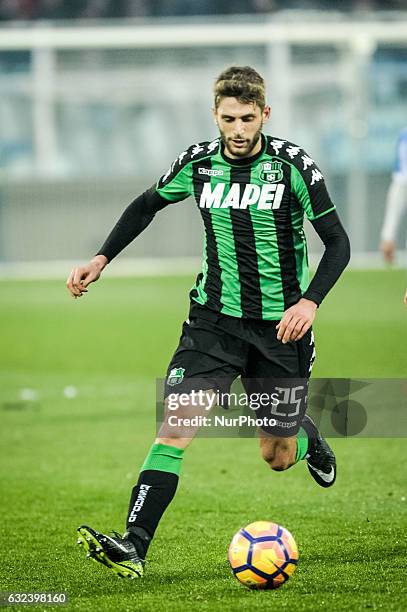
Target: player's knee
(178, 427)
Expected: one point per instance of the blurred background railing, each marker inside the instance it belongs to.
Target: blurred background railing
(92, 112)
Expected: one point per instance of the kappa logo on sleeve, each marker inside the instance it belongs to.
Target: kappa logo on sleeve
(316, 176)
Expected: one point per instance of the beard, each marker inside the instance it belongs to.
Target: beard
(244, 150)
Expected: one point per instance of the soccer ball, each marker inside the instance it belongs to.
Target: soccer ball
(263, 555)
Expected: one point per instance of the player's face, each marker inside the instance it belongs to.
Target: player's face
(240, 126)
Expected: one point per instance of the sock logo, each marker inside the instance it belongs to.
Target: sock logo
(141, 498)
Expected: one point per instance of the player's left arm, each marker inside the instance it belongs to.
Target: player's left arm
(298, 319)
(309, 187)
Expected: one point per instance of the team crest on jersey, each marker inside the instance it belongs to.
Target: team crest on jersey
(176, 376)
(271, 172)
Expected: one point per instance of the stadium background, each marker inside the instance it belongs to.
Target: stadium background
(97, 98)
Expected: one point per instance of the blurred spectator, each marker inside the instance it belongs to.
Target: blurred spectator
(99, 9)
(177, 8)
(136, 8)
(59, 9)
(18, 9)
(396, 202)
(117, 8)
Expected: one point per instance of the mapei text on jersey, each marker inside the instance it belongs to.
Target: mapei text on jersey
(240, 196)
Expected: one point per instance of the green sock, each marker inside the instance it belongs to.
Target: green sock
(164, 458)
(302, 445)
(153, 492)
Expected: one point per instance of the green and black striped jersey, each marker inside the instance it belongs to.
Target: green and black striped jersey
(255, 261)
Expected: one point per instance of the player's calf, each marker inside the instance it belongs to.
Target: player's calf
(279, 453)
(159, 475)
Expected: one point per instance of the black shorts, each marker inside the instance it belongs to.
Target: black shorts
(214, 349)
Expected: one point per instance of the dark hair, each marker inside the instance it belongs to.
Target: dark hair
(243, 83)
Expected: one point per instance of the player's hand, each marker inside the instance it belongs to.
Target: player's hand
(296, 321)
(388, 248)
(405, 298)
(82, 276)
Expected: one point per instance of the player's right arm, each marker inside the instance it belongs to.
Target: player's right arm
(173, 186)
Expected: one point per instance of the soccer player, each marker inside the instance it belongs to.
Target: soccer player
(396, 202)
(252, 306)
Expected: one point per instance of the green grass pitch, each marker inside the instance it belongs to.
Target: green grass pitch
(66, 461)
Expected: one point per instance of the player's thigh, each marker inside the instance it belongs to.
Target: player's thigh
(276, 381)
(206, 362)
(206, 350)
(269, 357)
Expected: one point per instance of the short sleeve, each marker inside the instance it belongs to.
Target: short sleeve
(308, 184)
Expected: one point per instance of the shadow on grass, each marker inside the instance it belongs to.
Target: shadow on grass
(97, 580)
